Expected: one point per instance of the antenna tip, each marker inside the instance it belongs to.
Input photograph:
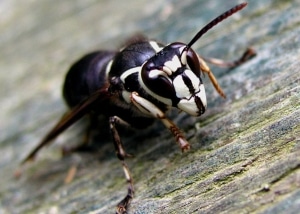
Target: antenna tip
(237, 8)
(244, 4)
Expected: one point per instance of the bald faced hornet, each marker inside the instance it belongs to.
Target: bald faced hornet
(137, 85)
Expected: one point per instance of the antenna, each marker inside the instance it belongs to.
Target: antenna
(215, 22)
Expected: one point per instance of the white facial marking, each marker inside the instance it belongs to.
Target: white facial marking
(202, 95)
(167, 70)
(155, 73)
(183, 57)
(195, 80)
(181, 90)
(174, 64)
(181, 49)
(190, 106)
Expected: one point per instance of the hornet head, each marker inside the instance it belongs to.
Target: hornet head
(173, 75)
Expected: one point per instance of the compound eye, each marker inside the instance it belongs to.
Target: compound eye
(157, 82)
(193, 62)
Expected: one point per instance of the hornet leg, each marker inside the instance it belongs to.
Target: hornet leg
(121, 154)
(150, 109)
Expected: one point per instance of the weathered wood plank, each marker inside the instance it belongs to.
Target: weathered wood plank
(245, 155)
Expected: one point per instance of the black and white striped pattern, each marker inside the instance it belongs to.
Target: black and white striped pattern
(166, 77)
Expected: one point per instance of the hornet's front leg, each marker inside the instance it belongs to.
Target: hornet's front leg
(121, 154)
(149, 108)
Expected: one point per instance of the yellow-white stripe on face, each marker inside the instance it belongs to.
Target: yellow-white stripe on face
(182, 89)
(196, 105)
(173, 64)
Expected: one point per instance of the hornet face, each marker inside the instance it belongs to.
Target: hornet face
(172, 76)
